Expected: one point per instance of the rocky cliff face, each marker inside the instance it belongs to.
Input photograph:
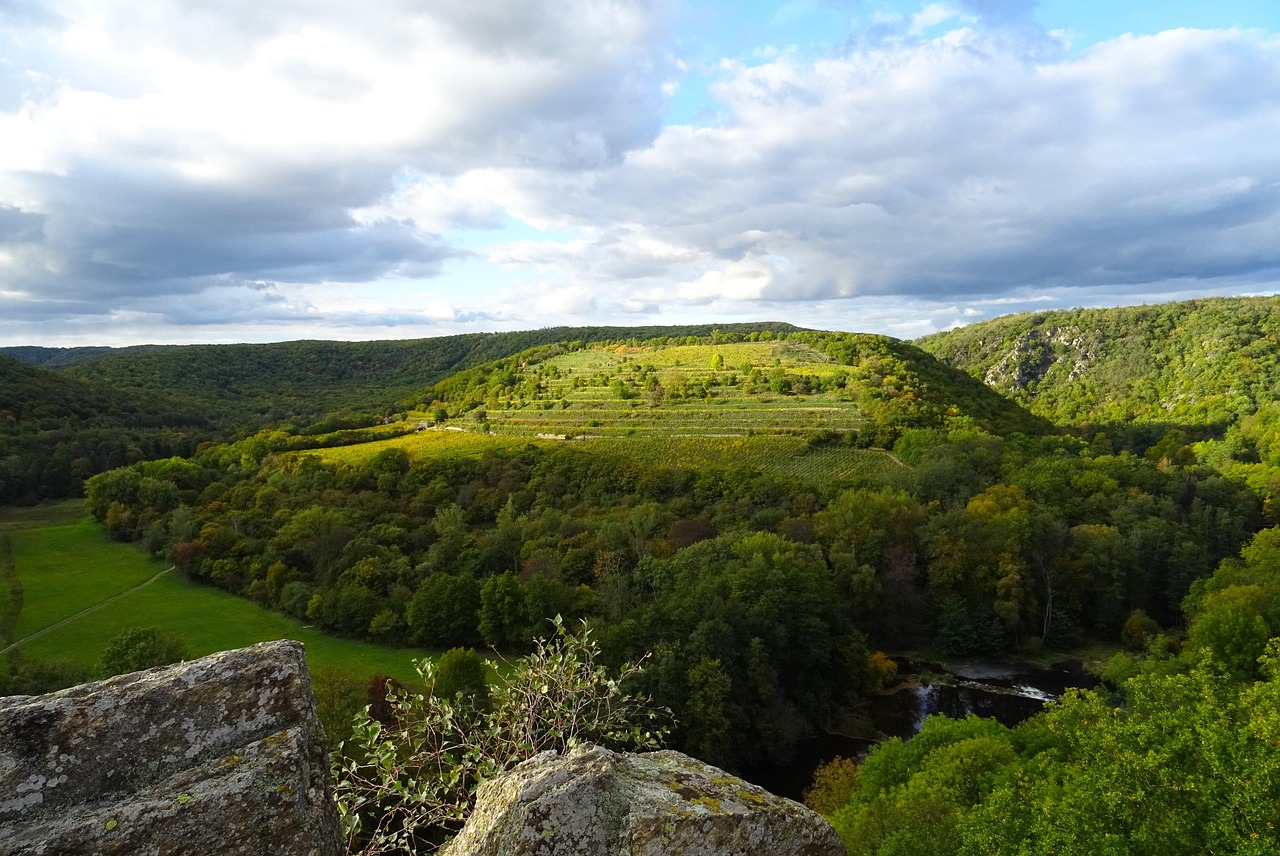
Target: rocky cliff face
(593, 802)
(222, 755)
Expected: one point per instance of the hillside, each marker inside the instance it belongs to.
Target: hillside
(1195, 363)
(807, 383)
(106, 407)
(245, 387)
(817, 407)
(57, 430)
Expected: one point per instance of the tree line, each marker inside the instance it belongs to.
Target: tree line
(762, 600)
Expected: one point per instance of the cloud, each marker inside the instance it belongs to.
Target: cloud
(192, 147)
(956, 166)
(297, 166)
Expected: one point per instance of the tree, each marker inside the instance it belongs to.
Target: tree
(462, 672)
(503, 612)
(445, 610)
(140, 648)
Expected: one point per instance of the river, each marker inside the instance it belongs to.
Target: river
(1009, 693)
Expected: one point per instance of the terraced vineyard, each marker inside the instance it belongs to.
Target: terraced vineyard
(694, 390)
(758, 404)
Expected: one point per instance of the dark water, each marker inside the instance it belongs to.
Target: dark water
(1007, 694)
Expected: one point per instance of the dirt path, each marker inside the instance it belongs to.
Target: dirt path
(83, 612)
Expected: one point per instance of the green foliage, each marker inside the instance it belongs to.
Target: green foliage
(461, 672)
(1187, 763)
(1234, 613)
(443, 610)
(140, 648)
(56, 431)
(833, 784)
(1195, 363)
(407, 786)
(911, 797)
(1189, 766)
(752, 647)
(23, 675)
(1139, 629)
(340, 697)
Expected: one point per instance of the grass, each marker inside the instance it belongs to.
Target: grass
(45, 514)
(65, 568)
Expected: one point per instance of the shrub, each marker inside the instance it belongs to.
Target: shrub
(1138, 629)
(140, 648)
(408, 786)
(461, 671)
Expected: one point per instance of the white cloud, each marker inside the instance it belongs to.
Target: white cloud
(955, 166)
(289, 163)
(172, 147)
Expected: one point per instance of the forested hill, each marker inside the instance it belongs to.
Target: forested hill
(60, 358)
(245, 387)
(1198, 363)
(107, 407)
(57, 430)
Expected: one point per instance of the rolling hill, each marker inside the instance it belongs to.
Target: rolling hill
(1197, 363)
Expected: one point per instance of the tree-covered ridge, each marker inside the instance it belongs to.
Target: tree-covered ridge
(56, 431)
(1195, 363)
(248, 386)
(61, 358)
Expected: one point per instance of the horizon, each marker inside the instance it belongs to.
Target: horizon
(635, 325)
(227, 175)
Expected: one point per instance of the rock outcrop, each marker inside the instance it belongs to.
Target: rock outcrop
(223, 755)
(593, 802)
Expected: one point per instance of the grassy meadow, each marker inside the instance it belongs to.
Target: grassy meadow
(66, 565)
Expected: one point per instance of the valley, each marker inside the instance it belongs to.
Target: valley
(766, 513)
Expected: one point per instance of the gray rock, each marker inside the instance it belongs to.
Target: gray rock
(593, 802)
(223, 755)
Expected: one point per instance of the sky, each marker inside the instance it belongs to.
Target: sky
(181, 171)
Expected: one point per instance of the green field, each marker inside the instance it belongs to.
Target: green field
(785, 455)
(423, 445)
(66, 564)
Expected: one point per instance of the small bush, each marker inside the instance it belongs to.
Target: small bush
(140, 648)
(1138, 629)
(406, 787)
(462, 672)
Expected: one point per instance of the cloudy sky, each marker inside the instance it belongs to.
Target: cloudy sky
(263, 170)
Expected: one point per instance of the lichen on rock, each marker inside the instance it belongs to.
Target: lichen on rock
(223, 755)
(594, 802)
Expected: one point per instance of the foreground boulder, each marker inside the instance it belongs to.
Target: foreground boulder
(593, 802)
(223, 755)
